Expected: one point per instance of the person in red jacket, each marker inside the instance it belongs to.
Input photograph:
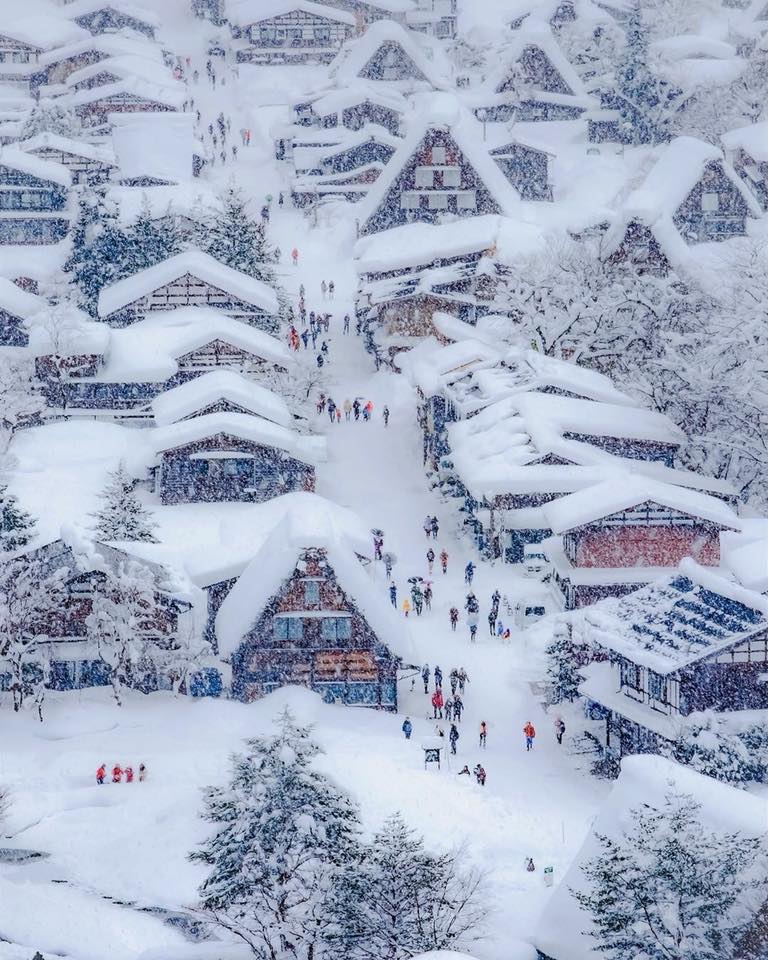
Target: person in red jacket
(530, 733)
(129, 774)
(117, 774)
(437, 703)
(101, 773)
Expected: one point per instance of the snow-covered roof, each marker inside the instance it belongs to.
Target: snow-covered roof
(83, 8)
(242, 426)
(426, 55)
(18, 302)
(111, 44)
(66, 330)
(329, 101)
(666, 626)
(541, 36)
(157, 145)
(169, 94)
(148, 350)
(430, 367)
(645, 780)
(752, 139)
(253, 11)
(444, 114)
(35, 166)
(203, 391)
(124, 66)
(42, 30)
(623, 493)
(199, 265)
(310, 525)
(745, 554)
(78, 148)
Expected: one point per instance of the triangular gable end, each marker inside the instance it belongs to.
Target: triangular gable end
(534, 68)
(391, 62)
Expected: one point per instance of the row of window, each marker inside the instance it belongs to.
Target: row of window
(427, 176)
(331, 628)
(438, 200)
(287, 36)
(14, 56)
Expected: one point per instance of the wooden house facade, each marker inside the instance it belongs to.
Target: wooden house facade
(86, 164)
(67, 658)
(294, 31)
(94, 106)
(526, 168)
(350, 110)
(33, 200)
(19, 61)
(715, 209)
(312, 632)
(697, 642)
(110, 18)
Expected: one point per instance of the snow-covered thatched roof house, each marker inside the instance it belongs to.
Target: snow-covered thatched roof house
(220, 391)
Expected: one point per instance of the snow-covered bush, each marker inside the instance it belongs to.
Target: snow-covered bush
(564, 658)
(122, 515)
(737, 758)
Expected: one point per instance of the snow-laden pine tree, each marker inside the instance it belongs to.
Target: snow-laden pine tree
(31, 599)
(50, 116)
(647, 103)
(402, 900)
(122, 515)
(233, 237)
(151, 240)
(16, 525)
(736, 758)
(101, 249)
(282, 833)
(564, 657)
(126, 624)
(669, 888)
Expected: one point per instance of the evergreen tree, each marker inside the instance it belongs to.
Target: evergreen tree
(233, 237)
(122, 515)
(16, 525)
(647, 103)
(400, 900)
(283, 831)
(564, 657)
(151, 240)
(101, 250)
(738, 759)
(49, 116)
(668, 889)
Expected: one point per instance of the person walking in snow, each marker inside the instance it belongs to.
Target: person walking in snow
(428, 527)
(338, 414)
(347, 409)
(444, 561)
(454, 678)
(417, 598)
(117, 774)
(458, 707)
(530, 866)
(331, 288)
(319, 361)
(295, 256)
(331, 409)
(453, 736)
(495, 598)
(406, 606)
(324, 289)
(428, 597)
(388, 565)
(469, 572)
(101, 773)
(530, 733)
(356, 409)
(464, 769)
(454, 615)
(559, 729)
(449, 709)
(407, 728)
(480, 774)
(492, 623)
(305, 338)
(500, 629)
(430, 560)
(324, 348)
(483, 734)
(321, 403)
(425, 675)
(129, 774)
(368, 410)
(346, 323)
(385, 414)
(393, 597)
(437, 705)
(438, 678)
(471, 605)
(463, 679)
(435, 528)
(142, 773)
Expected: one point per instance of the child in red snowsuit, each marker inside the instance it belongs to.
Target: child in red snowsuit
(101, 773)
(117, 774)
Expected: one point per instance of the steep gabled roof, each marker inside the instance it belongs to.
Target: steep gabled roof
(125, 66)
(47, 170)
(78, 148)
(199, 265)
(83, 8)
(170, 95)
(539, 36)
(18, 302)
(466, 134)
(426, 60)
(203, 391)
(309, 525)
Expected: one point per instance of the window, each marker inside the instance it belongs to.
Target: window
(710, 202)
(425, 177)
(311, 592)
(630, 675)
(657, 686)
(409, 201)
(287, 628)
(438, 155)
(323, 34)
(438, 201)
(20, 57)
(336, 628)
(268, 35)
(466, 200)
(452, 177)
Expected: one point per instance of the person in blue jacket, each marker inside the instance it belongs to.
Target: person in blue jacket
(407, 728)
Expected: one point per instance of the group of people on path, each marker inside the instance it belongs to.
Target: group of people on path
(351, 408)
(328, 289)
(119, 772)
